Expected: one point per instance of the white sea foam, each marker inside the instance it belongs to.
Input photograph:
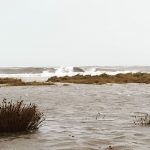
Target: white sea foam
(45, 73)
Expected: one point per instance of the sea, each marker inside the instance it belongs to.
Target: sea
(43, 73)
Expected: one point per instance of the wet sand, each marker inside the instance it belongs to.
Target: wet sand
(83, 117)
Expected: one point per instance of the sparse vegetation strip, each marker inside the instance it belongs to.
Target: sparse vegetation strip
(19, 82)
(104, 78)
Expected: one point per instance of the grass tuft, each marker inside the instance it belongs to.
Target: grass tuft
(142, 119)
(19, 117)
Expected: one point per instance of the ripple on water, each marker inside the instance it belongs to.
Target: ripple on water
(71, 114)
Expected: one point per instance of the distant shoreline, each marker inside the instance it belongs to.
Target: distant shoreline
(104, 79)
(41, 74)
(82, 79)
(19, 82)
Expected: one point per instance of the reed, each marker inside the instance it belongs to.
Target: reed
(19, 117)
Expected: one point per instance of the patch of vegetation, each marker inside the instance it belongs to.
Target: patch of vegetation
(65, 84)
(19, 82)
(104, 78)
(143, 119)
(19, 117)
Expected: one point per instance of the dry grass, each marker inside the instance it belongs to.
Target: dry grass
(10, 81)
(104, 78)
(19, 117)
(19, 82)
(143, 119)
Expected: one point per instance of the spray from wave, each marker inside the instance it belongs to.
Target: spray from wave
(34, 73)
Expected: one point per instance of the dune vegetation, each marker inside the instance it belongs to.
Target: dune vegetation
(19, 117)
(104, 78)
(83, 79)
(19, 82)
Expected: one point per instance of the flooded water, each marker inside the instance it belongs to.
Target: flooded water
(83, 117)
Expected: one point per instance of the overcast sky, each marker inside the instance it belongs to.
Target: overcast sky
(74, 32)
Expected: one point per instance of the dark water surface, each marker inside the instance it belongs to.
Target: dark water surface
(83, 117)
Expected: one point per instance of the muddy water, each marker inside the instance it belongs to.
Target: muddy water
(83, 117)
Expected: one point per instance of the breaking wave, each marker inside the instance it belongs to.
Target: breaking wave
(46, 72)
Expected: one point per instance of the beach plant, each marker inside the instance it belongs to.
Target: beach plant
(104, 78)
(143, 120)
(19, 82)
(19, 117)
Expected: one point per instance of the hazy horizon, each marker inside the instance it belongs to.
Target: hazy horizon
(36, 33)
(49, 66)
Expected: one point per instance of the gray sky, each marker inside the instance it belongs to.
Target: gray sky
(74, 32)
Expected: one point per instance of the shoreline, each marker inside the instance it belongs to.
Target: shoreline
(104, 79)
(81, 79)
(20, 82)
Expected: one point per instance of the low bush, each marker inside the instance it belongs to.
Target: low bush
(19, 117)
